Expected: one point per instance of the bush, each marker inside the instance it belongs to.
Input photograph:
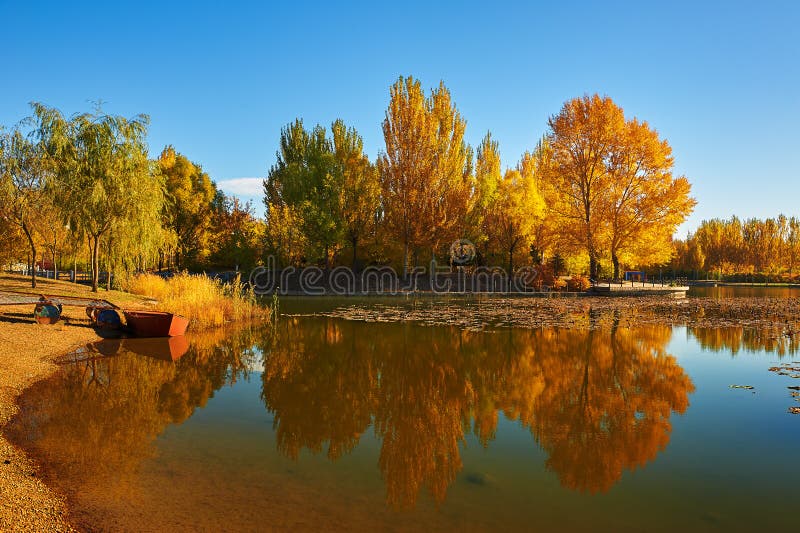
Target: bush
(578, 283)
(559, 284)
(204, 301)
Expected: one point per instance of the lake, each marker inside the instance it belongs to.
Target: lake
(327, 424)
(745, 291)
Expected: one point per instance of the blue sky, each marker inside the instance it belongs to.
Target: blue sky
(719, 80)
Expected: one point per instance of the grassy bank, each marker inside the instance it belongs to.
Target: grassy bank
(204, 301)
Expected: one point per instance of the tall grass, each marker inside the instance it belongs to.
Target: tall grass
(204, 301)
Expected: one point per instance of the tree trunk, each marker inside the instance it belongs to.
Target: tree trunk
(405, 259)
(55, 263)
(615, 260)
(592, 266)
(108, 265)
(355, 247)
(33, 253)
(95, 263)
(510, 264)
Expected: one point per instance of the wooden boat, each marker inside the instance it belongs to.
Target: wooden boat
(155, 323)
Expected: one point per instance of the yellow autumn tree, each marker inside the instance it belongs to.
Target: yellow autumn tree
(360, 185)
(647, 202)
(582, 137)
(488, 175)
(426, 170)
(612, 185)
(510, 220)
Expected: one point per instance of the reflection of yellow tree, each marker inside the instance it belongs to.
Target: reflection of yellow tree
(423, 405)
(598, 401)
(99, 416)
(735, 338)
(606, 403)
(320, 386)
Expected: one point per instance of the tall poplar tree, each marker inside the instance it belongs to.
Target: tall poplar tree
(360, 193)
(426, 170)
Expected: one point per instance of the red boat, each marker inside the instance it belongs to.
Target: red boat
(155, 323)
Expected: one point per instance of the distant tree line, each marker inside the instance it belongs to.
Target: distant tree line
(752, 249)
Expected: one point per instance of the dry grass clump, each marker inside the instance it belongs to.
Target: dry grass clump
(578, 283)
(204, 301)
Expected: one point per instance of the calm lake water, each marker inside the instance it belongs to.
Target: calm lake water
(325, 424)
(745, 292)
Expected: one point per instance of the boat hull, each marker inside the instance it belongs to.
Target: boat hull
(155, 323)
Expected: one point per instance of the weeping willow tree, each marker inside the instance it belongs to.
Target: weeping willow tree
(107, 190)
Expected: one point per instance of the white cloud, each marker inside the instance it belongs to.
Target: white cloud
(242, 186)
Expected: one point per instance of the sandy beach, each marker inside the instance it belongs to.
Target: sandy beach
(27, 354)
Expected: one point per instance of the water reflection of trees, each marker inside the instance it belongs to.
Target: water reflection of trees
(99, 415)
(737, 338)
(599, 402)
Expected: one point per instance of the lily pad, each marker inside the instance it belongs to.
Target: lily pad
(748, 387)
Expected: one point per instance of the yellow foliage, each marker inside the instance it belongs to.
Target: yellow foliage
(578, 283)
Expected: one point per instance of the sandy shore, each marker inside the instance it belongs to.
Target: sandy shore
(27, 352)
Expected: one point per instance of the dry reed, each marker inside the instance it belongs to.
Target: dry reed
(204, 301)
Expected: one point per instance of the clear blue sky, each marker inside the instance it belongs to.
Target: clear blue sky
(720, 81)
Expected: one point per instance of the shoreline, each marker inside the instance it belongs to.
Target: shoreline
(27, 355)
(28, 352)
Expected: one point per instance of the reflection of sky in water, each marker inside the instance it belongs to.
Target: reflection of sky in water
(729, 462)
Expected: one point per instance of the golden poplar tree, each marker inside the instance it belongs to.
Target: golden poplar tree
(612, 184)
(488, 175)
(426, 169)
(360, 186)
(647, 202)
(582, 137)
(511, 219)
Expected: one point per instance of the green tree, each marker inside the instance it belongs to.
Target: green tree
(360, 193)
(308, 178)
